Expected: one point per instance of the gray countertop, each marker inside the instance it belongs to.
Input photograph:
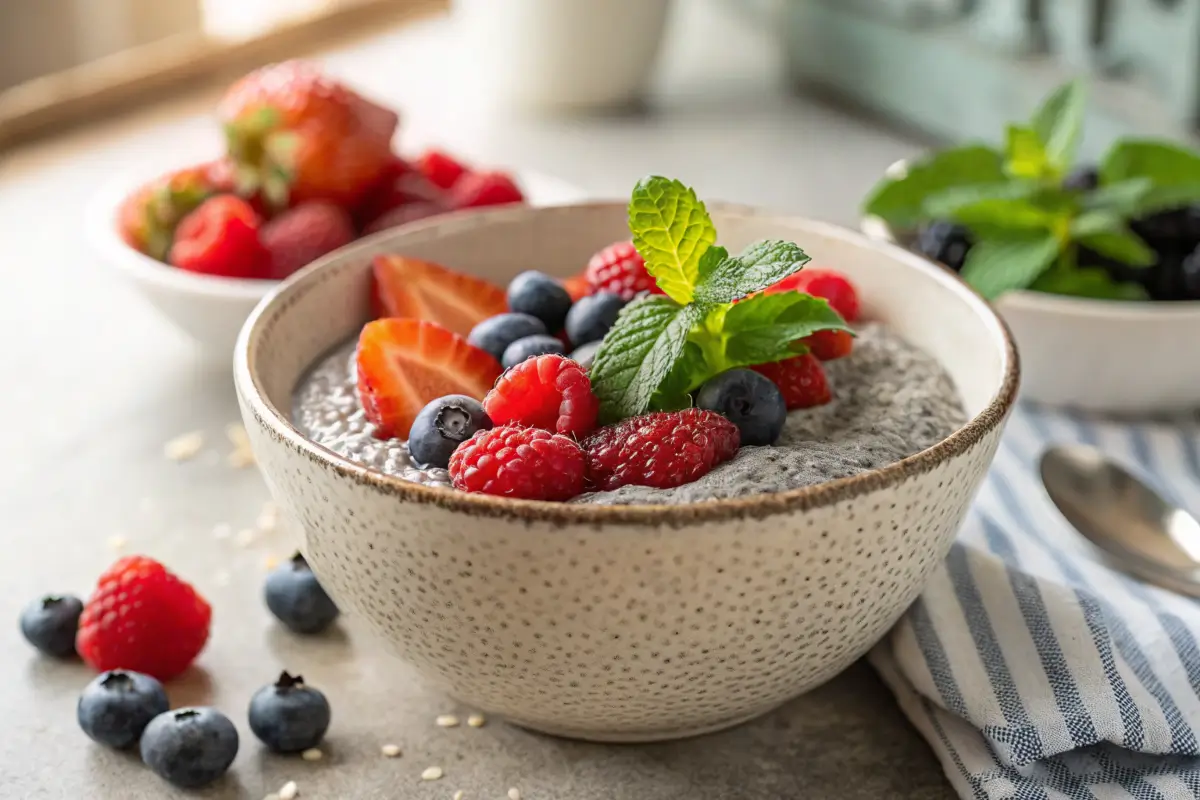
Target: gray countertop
(96, 384)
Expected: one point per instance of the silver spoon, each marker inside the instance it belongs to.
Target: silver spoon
(1140, 532)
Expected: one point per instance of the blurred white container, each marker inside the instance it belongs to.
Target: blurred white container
(562, 54)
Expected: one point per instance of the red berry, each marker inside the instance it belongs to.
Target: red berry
(832, 286)
(409, 287)
(662, 450)
(301, 235)
(620, 269)
(478, 189)
(829, 345)
(402, 215)
(525, 463)
(550, 392)
(801, 379)
(143, 618)
(221, 238)
(440, 169)
(398, 185)
(577, 286)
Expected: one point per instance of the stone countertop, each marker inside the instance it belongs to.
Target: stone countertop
(97, 384)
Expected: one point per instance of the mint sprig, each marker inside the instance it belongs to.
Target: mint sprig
(661, 348)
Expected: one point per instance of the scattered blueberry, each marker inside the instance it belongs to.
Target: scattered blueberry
(297, 599)
(748, 400)
(117, 706)
(945, 242)
(585, 354)
(1083, 178)
(289, 716)
(496, 333)
(190, 747)
(539, 295)
(442, 426)
(590, 318)
(529, 347)
(1173, 229)
(50, 624)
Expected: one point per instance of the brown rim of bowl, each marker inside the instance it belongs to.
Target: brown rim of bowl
(756, 506)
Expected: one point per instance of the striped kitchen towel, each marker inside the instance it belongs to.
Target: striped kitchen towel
(1034, 671)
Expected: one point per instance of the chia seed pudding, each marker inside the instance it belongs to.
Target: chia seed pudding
(890, 400)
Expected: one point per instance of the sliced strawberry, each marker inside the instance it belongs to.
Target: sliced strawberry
(408, 287)
(403, 364)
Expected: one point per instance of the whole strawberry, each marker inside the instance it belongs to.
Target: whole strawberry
(147, 218)
(620, 269)
(221, 238)
(301, 235)
(519, 462)
(398, 186)
(300, 135)
(143, 618)
(662, 450)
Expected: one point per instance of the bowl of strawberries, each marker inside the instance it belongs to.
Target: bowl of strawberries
(309, 166)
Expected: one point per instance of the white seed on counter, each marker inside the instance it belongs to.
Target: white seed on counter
(432, 774)
(514, 794)
(476, 720)
(459, 795)
(289, 791)
(391, 750)
(312, 754)
(117, 542)
(447, 721)
(185, 446)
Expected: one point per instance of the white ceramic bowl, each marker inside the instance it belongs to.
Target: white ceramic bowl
(1099, 355)
(623, 623)
(212, 310)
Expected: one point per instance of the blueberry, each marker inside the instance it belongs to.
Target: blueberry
(289, 716)
(529, 347)
(1083, 178)
(297, 599)
(442, 426)
(496, 333)
(1165, 279)
(539, 295)
(586, 354)
(591, 318)
(117, 706)
(190, 747)
(1190, 275)
(1170, 230)
(749, 401)
(50, 624)
(945, 242)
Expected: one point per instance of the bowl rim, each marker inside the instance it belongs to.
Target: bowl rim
(280, 428)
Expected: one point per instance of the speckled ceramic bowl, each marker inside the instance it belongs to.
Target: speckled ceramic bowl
(627, 623)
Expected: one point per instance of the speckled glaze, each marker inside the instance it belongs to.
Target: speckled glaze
(631, 622)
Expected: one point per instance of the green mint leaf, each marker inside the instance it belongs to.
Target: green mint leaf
(760, 265)
(1025, 155)
(1088, 282)
(996, 266)
(900, 201)
(711, 259)
(1166, 198)
(1000, 218)
(1123, 198)
(1163, 163)
(638, 353)
(764, 328)
(944, 204)
(1059, 124)
(1093, 222)
(689, 372)
(671, 230)
(1123, 245)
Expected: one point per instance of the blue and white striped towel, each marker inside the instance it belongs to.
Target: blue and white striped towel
(1037, 673)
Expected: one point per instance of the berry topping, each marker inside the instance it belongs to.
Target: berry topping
(147, 218)
(496, 333)
(585, 354)
(442, 426)
(661, 450)
(50, 624)
(117, 706)
(539, 295)
(289, 716)
(396, 186)
(550, 392)
(402, 364)
(190, 747)
(299, 236)
(440, 169)
(832, 286)
(531, 346)
(748, 400)
(593, 316)
(945, 242)
(221, 237)
(407, 287)
(577, 287)
(296, 598)
(801, 379)
(143, 618)
(402, 215)
(620, 269)
(524, 463)
(478, 189)
(829, 345)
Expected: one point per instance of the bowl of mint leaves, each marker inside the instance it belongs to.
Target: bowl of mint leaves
(1095, 267)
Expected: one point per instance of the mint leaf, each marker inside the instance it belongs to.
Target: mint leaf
(1000, 218)
(712, 257)
(900, 201)
(946, 203)
(1088, 282)
(1124, 197)
(1059, 124)
(764, 328)
(637, 354)
(1163, 163)
(994, 266)
(1093, 222)
(671, 230)
(760, 265)
(1025, 155)
(689, 372)
(1123, 245)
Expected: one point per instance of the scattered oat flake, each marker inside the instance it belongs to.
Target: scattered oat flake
(476, 720)
(268, 517)
(459, 795)
(514, 794)
(432, 774)
(289, 791)
(312, 754)
(245, 537)
(185, 446)
(240, 459)
(117, 542)
(447, 721)
(236, 434)
(391, 750)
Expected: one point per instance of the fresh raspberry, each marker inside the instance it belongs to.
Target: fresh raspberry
(440, 169)
(221, 238)
(478, 189)
(402, 215)
(662, 450)
(143, 618)
(801, 379)
(301, 235)
(550, 392)
(525, 463)
(829, 345)
(620, 269)
(398, 186)
(825, 283)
